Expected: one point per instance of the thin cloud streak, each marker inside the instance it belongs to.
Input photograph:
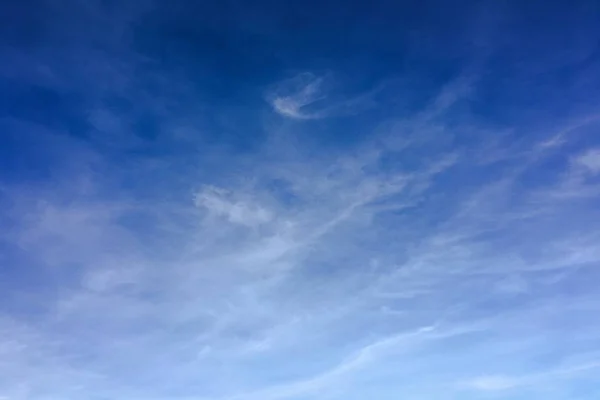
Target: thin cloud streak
(304, 97)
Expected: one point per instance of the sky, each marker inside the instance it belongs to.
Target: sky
(299, 200)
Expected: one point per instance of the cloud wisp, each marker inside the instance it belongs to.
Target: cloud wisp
(307, 96)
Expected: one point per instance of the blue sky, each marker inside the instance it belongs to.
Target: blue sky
(309, 200)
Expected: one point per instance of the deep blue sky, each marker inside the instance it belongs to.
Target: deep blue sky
(243, 200)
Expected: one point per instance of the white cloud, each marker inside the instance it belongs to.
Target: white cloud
(590, 160)
(226, 204)
(308, 97)
(292, 95)
(499, 383)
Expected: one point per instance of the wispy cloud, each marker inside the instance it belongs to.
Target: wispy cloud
(220, 203)
(499, 383)
(307, 96)
(590, 160)
(296, 93)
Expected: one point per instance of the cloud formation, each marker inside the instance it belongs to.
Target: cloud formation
(307, 96)
(590, 160)
(296, 93)
(220, 203)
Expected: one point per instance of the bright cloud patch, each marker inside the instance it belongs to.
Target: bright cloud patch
(224, 204)
(590, 160)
